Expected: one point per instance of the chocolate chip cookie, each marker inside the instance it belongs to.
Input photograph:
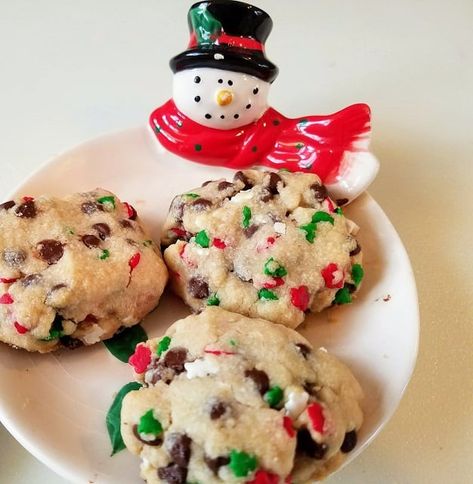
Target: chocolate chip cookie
(226, 398)
(270, 245)
(74, 270)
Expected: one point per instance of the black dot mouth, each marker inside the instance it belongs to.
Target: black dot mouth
(236, 116)
(197, 99)
(197, 79)
(230, 83)
(248, 106)
(208, 116)
(222, 117)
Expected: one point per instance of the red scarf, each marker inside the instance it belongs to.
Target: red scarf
(314, 144)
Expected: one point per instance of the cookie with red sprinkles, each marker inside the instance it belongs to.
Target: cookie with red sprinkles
(270, 245)
(74, 270)
(239, 401)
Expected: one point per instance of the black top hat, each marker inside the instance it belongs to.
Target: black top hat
(226, 34)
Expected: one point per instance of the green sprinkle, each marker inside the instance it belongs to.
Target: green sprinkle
(310, 230)
(147, 243)
(322, 217)
(232, 342)
(241, 463)
(191, 195)
(283, 169)
(104, 255)
(149, 425)
(163, 345)
(246, 217)
(213, 300)
(300, 145)
(198, 147)
(157, 128)
(357, 274)
(69, 231)
(302, 122)
(56, 330)
(267, 295)
(108, 199)
(343, 296)
(339, 210)
(274, 268)
(202, 239)
(274, 396)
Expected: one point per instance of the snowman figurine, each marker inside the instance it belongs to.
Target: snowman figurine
(219, 112)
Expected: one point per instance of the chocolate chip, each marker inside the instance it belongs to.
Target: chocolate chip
(57, 287)
(175, 359)
(215, 464)
(201, 204)
(342, 201)
(70, 343)
(91, 207)
(50, 250)
(159, 371)
(320, 192)
(217, 409)
(240, 176)
(306, 445)
(154, 442)
(310, 388)
(173, 474)
(356, 250)
(250, 231)
(177, 208)
(351, 287)
(223, 185)
(90, 241)
(14, 258)
(198, 288)
(126, 224)
(266, 195)
(103, 230)
(31, 279)
(260, 379)
(272, 184)
(7, 205)
(304, 349)
(179, 448)
(206, 183)
(349, 442)
(26, 210)
(132, 242)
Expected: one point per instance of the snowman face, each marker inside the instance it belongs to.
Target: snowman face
(218, 98)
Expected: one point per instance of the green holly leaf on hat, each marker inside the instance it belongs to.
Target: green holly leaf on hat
(205, 26)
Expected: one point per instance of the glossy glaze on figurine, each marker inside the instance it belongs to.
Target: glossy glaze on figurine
(219, 113)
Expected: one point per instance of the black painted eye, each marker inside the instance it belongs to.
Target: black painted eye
(197, 99)
(208, 116)
(236, 116)
(255, 90)
(220, 81)
(197, 79)
(230, 83)
(248, 106)
(222, 117)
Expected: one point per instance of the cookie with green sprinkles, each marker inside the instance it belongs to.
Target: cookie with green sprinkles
(271, 245)
(215, 406)
(74, 270)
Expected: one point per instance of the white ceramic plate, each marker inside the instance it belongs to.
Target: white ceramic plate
(55, 405)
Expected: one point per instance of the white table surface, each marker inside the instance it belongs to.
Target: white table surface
(71, 70)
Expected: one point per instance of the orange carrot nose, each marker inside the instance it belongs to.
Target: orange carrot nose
(224, 97)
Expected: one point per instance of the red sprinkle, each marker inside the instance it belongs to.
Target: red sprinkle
(6, 299)
(330, 205)
(21, 329)
(179, 232)
(274, 282)
(134, 261)
(288, 426)
(218, 352)
(219, 243)
(269, 242)
(140, 359)
(7, 281)
(182, 248)
(288, 480)
(28, 199)
(316, 416)
(300, 297)
(130, 210)
(328, 275)
(263, 477)
(175, 274)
